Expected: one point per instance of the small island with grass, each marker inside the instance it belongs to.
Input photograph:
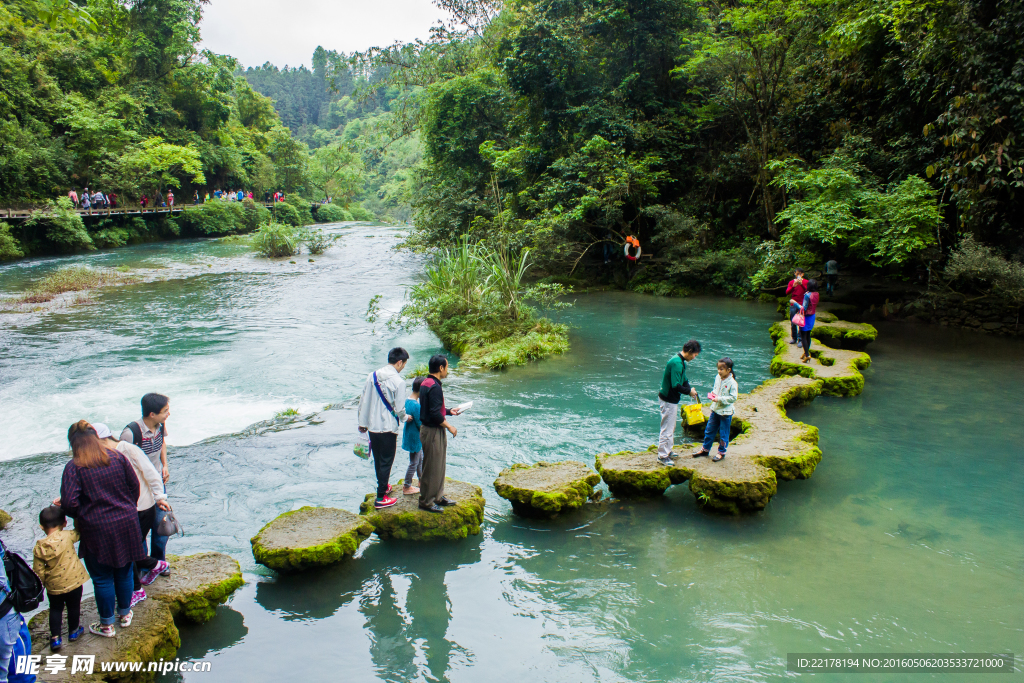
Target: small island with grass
(477, 300)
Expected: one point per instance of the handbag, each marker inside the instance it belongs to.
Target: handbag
(693, 414)
(798, 319)
(169, 525)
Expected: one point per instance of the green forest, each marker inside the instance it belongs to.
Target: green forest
(733, 140)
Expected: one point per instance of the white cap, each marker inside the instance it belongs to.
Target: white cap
(102, 430)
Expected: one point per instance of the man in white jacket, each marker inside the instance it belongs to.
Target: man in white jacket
(381, 413)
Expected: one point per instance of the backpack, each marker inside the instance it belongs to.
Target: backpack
(22, 648)
(137, 432)
(26, 588)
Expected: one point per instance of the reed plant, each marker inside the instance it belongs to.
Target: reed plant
(475, 298)
(72, 279)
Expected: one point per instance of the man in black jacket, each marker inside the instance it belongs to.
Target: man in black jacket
(433, 415)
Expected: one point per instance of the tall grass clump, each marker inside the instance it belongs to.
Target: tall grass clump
(318, 241)
(476, 299)
(275, 240)
(72, 279)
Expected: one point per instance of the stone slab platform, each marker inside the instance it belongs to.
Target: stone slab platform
(406, 521)
(197, 583)
(545, 489)
(309, 537)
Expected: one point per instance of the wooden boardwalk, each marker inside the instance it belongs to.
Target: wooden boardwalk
(136, 210)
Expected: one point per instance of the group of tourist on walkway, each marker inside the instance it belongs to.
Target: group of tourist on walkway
(114, 488)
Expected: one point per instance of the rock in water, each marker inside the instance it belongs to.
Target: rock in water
(545, 489)
(196, 585)
(5, 519)
(309, 537)
(405, 520)
(767, 445)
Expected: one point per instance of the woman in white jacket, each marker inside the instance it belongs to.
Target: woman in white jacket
(722, 399)
(151, 496)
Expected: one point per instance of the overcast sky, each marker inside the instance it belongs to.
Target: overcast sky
(287, 31)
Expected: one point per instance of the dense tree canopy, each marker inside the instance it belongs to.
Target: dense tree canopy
(735, 138)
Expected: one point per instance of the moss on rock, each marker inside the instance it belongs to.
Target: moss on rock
(197, 584)
(636, 475)
(5, 519)
(407, 521)
(309, 537)
(545, 489)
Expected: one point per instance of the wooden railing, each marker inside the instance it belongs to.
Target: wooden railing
(129, 210)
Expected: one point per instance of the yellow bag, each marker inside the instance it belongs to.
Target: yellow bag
(693, 414)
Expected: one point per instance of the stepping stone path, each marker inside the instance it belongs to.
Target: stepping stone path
(197, 584)
(770, 446)
(406, 521)
(309, 537)
(545, 489)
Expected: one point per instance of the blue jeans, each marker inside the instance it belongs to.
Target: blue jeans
(721, 424)
(158, 546)
(10, 626)
(792, 311)
(110, 584)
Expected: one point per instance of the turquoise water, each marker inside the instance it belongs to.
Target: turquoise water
(906, 539)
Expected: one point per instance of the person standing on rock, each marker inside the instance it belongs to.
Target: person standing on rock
(831, 276)
(433, 415)
(381, 413)
(796, 289)
(673, 386)
(150, 434)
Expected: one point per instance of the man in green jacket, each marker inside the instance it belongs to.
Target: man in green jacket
(673, 386)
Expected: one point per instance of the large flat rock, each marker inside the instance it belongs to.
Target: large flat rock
(309, 537)
(197, 583)
(767, 446)
(406, 521)
(545, 489)
(5, 519)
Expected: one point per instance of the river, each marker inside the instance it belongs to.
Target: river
(906, 539)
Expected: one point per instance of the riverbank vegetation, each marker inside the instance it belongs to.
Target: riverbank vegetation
(119, 97)
(477, 300)
(734, 140)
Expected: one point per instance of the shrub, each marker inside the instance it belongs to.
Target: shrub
(978, 266)
(10, 248)
(63, 226)
(275, 240)
(254, 215)
(361, 214)
(332, 213)
(117, 233)
(286, 213)
(301, 206)
(213, 218)
(318, 241)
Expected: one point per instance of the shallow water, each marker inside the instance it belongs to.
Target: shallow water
(905, 540)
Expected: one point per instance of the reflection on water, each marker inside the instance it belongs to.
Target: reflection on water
(905, 540)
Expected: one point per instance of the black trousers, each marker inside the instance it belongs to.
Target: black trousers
(73, 601)
(805, 341)
(383, 446)
(147, 520)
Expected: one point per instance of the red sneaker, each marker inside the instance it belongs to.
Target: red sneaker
(385, 502)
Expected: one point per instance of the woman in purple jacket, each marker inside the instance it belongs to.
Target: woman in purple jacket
(99, 490)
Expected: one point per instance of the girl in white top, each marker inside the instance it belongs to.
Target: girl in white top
(723, 397)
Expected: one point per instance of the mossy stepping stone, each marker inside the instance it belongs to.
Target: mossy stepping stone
(406, 521)
(309, 537)
(5, 519)
(545, 489)
(196, 584)
(769, 447)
